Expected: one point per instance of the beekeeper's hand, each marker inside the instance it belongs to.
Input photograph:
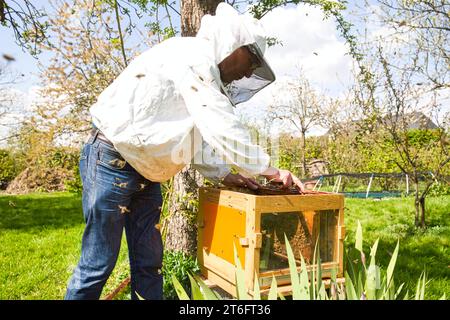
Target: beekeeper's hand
(283, 176)
(238, 180)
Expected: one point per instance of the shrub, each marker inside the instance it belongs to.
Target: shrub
(177, 264)
(439, 189)
(74, 184)
(8, 169)
(56, 169)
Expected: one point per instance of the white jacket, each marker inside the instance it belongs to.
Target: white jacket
(169, 108)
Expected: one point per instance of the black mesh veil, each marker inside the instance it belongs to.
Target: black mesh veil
(245, 88)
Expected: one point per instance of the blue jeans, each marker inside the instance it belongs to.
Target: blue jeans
(115, 196)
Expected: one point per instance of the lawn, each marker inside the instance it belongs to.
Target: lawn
(393, 219)
(41, 243)
(41, 233)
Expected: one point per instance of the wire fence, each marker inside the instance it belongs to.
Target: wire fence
(369, 184)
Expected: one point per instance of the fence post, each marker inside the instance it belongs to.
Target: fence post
(368, 187)
(407, 184)
(337, 184)
(319, 182)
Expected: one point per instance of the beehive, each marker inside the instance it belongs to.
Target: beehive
(256, 225)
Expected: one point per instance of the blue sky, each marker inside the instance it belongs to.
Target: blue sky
(310, 43)
(24, 63)
(28, 66)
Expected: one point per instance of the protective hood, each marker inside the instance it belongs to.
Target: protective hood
(227, 31)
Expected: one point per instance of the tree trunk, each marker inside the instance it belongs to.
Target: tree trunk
(422, 211)
(192, 12)
(181, 229)
(2, 11)
(305, 170)
(416, 203)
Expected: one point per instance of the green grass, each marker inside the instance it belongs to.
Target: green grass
(393, 219)
(41, 241)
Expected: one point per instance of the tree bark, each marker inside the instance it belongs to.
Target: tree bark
(181, 229)
(305, 170)
(416, 203)
(192, 12)
(2, 11)
(422, 212)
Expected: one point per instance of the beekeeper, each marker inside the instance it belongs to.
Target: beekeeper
(172, 106)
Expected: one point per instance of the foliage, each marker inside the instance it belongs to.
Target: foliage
(32, 25)
(362, 281)
(27, 22)
(288, 159)
(179, 265)
(290, 152)
(421, 26)
(353, 151)
(75, 76)
(74, 184)
(8, 168)
(296, 105)
(43, 166)
(404, 89)
(439, 189)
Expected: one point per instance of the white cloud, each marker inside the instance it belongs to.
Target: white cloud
(20, 105)
(24, 105)
(310, 43)
(11, 111)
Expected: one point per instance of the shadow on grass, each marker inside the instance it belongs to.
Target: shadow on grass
(40, 211)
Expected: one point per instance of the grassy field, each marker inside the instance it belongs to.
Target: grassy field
(393, 219)
(41, 233)
(41, 243)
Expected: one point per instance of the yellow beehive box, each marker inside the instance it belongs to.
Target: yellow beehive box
(256, 226)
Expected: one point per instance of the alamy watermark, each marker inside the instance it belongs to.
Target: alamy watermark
(252, 149)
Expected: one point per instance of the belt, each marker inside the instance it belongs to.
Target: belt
(100, 136)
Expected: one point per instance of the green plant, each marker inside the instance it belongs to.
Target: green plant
(362, 281)
(439, 189)
(40, 235)
(74, 184)
(179, 265)
(8, 168)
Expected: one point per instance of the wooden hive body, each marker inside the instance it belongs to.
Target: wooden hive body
(256, 224)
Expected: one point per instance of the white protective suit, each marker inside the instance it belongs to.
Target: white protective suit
(169, 108)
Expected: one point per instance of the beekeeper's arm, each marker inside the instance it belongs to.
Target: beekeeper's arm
(213, 116)
(210, 164)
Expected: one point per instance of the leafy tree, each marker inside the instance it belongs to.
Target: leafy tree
(394, 106)
(26, 20)
(8, 168)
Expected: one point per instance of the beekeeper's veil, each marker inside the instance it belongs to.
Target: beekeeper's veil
(228, 30)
